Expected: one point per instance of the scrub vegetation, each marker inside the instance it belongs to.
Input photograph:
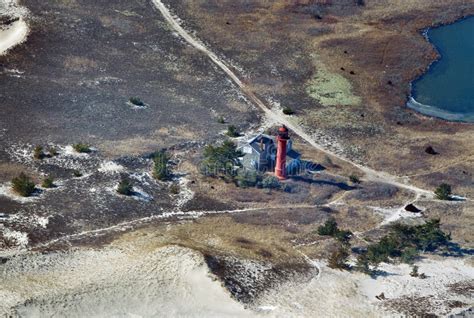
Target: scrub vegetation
(23, 185)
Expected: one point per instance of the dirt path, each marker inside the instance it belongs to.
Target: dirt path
(128, 225)
(370, 174)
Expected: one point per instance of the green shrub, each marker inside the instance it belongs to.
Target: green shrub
(23, 185)
(414, 271)
(53, 152)
(82, 148)
(354, 179)
(338, 258)
(160, 166)
(38, 153)
(125, 187)
(408, 255)
(271, 182)
(136, 101)
(287, 188)
(174, 189)
(288, 111)
(329, 228)
(77, 173)
(443, 192)
(48, 182)
(362, 264)
(246, 178)
(232, 131)
(221, 120)
(343, 236)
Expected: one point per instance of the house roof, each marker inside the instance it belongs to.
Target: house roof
(267, 140)
(293, 154)
(256, 141)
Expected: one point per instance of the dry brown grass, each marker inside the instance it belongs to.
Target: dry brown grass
(211, 235)
(379, 42)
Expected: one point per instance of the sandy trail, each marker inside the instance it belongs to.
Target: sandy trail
(129, 225)
(371, 174)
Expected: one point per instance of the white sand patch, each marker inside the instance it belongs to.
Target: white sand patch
(20, 238)
(440, 274)
(15, 34)
(140, 195)
(111, 167)
(185, 193)
(21, 153)
(332, 294)
(29, 219)
(144, 178)
(69, 151)
(344, 294)
(115, 282)
(43, 221)
(394, 214)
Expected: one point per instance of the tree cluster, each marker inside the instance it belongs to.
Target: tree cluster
(404, 242)
(160, 166)
(222, 160)
(330, 228)
(338, 258)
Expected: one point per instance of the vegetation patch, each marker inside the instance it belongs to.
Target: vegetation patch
(288, 111)
(443, 192)
(23, 185)
(125, 187)
(77, 173)
(38, 153)
(404, 242)
(221, 160)
(53, 152)
(82, 148)
(232, 131)
(175, 189)
(330, 228)
(271, 182)
(161, 166)
(331, 89)
(354, 179)
(48, 183)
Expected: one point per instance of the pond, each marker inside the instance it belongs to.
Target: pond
(446, 90)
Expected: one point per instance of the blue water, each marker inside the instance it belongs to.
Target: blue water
(447, 89)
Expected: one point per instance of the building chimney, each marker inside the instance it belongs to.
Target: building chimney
(282, 139)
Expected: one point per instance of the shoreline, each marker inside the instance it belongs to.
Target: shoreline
(430, 110)
(436, 112)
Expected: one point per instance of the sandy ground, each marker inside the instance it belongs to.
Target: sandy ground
(170, 281)
(134, 278)
(13, 35)
(16, 32)
(337, 293)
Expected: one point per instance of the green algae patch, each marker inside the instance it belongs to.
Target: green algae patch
(331, 89)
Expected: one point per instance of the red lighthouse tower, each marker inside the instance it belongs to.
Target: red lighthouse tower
(282, 139)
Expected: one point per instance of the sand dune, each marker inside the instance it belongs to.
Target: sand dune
(13, 35)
